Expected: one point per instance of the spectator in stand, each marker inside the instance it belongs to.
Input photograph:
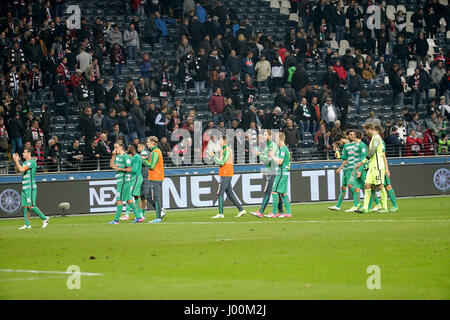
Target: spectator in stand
(415, 125)
(263, 71)
(396, 83)
(98, 118)
(75, 154)
(413, 144)
(128, 126)
(431, 22)
(417, 20)
(429, 142)
(87, 125)
(117, 57)
(401, 52)
(393, 143)
(444, 144)
(443, 108)
(216, 104)
(325, 141)
(305, 117)
(16, 132)
(292, 134)
(373, 119)
(39, 155)
(34, 133)
(247, 66)
(354, 83)
(417, 84)
(91, 156)
(131, 42)
(340, 71)
(437, 73)
(161, 123)
(329, 113)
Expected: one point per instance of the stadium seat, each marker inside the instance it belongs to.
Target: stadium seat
(275, 4)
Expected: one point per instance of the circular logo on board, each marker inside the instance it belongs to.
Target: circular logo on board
(10, 201)
(442, 179)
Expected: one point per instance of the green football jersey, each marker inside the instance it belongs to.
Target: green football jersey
(348, 153)
(144, 170)
(28, 177)
(360, 152)
(271, 166)
(136, 166)
(284, 153)
(123, 161)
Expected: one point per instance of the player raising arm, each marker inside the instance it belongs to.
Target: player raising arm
(29, 188)
(280, 185)
(271, 167)
(121, 163)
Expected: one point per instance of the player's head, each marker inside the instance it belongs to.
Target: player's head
(152, 141)
(340, 138)
(223, 140)
(27, 153)
(141, 146)
(281, 137)
(132, 149)
(378, 129)
(358, 134)
(118, 146)
(267, 135)
(351, 135)
(369, 128)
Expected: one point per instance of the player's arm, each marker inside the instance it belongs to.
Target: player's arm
(19, 167)
(344, 157)
(277, 160)
(225, 156)
(154, 158)
(112, 163)
(388, 173)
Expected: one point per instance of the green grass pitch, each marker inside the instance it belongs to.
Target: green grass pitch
(317, 254)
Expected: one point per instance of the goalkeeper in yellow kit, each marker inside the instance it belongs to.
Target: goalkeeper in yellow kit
(377, 169)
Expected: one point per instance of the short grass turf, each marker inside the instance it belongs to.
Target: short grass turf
(317, 254)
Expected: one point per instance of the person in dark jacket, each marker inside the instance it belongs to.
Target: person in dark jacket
(233, 64)
(128, 126)
(109, 121)
(110, 92)
(421, 48)
(45, 122)
(401, 51)
(341, 99)
(151, 31)
(16, 133)
(299, 79)
(354, 83)
(87, 125)
(396, 83)
(61, 98)
(417, 82)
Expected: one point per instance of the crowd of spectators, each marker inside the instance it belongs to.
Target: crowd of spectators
(154, 67)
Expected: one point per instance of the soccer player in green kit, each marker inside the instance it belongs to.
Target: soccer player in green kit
(270, 169)
(121, 163)
(347, 165)
(280, 185)
(136, 180)
(377, 169)
(29, 188)
(358, 176)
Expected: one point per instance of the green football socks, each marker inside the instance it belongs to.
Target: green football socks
(341, 197)
(391, 195)
(275, 203)
(287, 204)
(25, 213)
(118, 212)
(39, 213)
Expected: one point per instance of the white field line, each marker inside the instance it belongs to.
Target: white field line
(53, 272)
(278, 220)
(34, 278)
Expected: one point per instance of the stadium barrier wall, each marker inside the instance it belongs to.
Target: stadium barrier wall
(192, 191)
